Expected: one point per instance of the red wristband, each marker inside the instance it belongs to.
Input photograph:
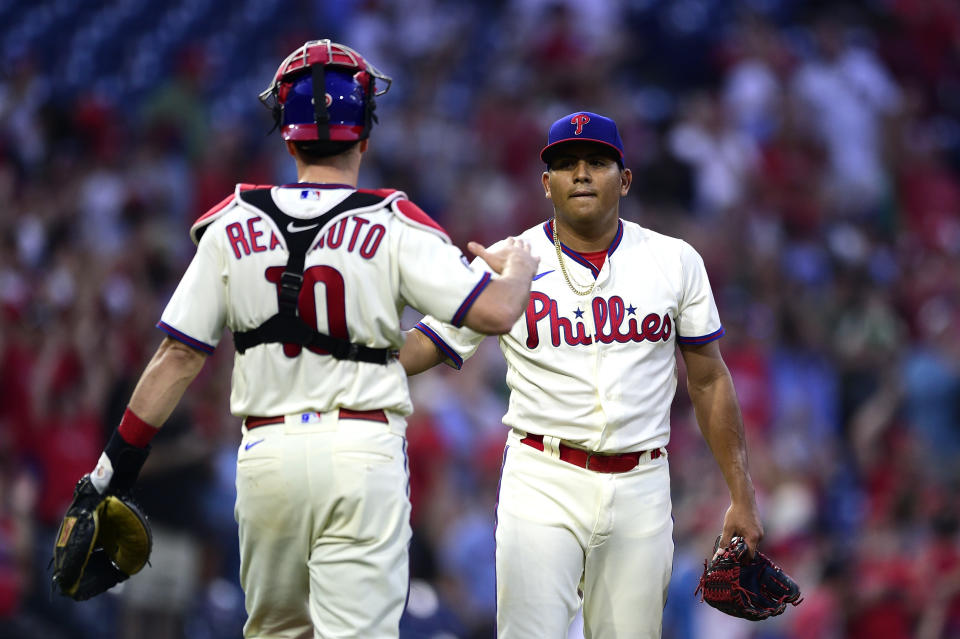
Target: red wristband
(134, 430)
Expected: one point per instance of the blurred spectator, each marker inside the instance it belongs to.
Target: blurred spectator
(175, 111)
(931, 377)
(850, 99)
(23, 94)
(810, 153)
(724, 160)
(18, 494)
(753, 87)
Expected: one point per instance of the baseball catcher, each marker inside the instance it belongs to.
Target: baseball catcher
(324, 532)
(738, 585)
(104, 538)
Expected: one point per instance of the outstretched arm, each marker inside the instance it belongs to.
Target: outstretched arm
(502, 302)
(718, 415)
(495, 311)
(419, 353)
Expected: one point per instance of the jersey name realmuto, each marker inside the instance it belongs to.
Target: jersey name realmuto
(364, 267)
(600, 370)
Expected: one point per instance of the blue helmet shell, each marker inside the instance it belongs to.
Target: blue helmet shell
(345, 100)
(351, 84)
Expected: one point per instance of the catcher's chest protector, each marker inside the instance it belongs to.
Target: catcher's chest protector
(286, 326)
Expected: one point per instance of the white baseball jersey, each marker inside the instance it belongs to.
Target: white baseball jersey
(365, 266)
(600, 371)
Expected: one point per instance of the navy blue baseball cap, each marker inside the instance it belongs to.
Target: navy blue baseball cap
(583, 126)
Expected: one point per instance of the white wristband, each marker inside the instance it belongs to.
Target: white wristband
(102, 474)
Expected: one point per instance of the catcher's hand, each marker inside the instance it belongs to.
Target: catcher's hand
(102, 541)
(753, 589)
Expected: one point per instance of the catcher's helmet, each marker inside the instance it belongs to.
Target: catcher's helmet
(324, 91)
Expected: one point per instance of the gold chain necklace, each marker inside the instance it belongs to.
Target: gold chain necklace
(563, 269)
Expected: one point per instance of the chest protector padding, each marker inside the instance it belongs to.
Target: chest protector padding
(286, 326)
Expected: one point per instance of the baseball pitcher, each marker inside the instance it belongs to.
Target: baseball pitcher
(584, 513)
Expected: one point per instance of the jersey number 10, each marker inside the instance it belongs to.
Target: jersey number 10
(307, 304)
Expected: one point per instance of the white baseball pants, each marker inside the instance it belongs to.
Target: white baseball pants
(566, 533)
(324, 514)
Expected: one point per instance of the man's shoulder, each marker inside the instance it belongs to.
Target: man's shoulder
(303, 201)
(538, 230)
(220, 210)
(413, 215)
(636, 234)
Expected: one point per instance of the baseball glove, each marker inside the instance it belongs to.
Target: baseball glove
(102, 541)
(737, 585)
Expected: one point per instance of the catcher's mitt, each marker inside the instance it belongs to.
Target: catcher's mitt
(102, 541)
(753, 589)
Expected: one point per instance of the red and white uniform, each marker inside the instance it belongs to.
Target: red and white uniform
(599, 373)
(365, 268)
(321, 495)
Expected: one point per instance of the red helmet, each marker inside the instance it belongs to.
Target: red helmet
(325, 91)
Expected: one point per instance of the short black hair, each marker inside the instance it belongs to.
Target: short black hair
(314, 151)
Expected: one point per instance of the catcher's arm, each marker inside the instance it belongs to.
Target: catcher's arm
(171, 370)
(158, 392)
(103, 538)
(505, 298)
(718, 415)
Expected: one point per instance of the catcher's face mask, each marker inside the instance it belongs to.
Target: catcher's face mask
(325, 91)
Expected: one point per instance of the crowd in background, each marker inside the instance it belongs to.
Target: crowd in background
(810, 151)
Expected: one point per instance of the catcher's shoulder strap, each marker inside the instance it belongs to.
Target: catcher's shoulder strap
(286, 326)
